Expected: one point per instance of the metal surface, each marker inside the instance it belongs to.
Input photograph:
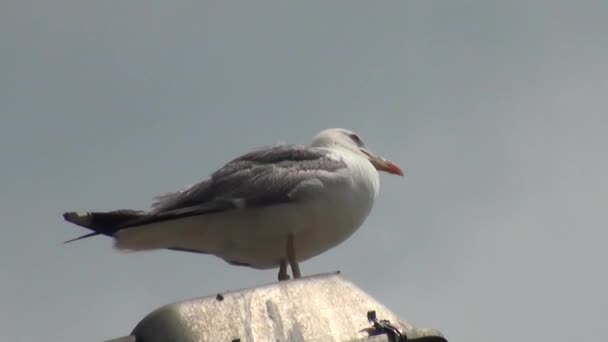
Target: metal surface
(317, 308)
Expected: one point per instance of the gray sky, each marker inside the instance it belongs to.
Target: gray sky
(496, 111)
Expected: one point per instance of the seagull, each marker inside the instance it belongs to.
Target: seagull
(272, 207)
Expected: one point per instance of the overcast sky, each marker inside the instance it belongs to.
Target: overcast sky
(496, 111)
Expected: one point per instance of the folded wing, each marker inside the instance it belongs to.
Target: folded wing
(264, 177)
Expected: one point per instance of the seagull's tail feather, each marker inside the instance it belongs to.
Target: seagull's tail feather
(202, 234)
(101, 223)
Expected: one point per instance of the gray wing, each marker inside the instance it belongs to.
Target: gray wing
(264, 177)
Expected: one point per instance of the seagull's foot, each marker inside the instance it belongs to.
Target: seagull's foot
(291, 257)
(295, 269)
(283, 271)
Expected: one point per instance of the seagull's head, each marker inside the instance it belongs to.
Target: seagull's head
(349, 140)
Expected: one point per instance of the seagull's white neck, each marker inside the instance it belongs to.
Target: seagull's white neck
(338, 147)
(364, 175)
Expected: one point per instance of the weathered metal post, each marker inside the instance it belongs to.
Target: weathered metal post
(317, 308)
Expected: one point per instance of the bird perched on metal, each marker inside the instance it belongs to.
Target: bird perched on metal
(274, 206)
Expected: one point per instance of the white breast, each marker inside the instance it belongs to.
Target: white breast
(342, 210)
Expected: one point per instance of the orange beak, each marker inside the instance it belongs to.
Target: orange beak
(382, 164)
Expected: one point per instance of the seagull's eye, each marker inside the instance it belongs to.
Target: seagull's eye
(356, 139)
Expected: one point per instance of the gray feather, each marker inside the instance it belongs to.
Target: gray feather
(267, 176)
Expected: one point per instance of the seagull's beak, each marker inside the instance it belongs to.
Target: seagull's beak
(382, 164)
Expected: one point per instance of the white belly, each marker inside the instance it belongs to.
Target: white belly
(260, 241)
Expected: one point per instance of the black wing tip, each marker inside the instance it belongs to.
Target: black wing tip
(67, 215)
(81, 237)
(80, 219)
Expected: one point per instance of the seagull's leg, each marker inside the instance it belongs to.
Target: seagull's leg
(291, 256)
(283, 271)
